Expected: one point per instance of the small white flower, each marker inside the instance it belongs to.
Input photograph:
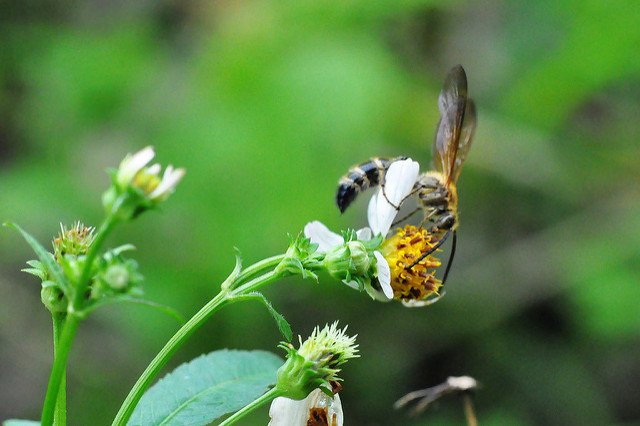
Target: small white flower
(383, 208)
(132, 164)
(137, 187)
(289, 412)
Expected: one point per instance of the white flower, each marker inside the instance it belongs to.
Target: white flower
(383, 208)
(132, 164)
(133, 171)
(316, 406)
(137, 187)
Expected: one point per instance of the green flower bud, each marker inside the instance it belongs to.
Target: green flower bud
(316, 363)
(345, 261)
(53, 298)
(74, 241)
(117, 277)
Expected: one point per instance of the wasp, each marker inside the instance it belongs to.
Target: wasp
(435, 190)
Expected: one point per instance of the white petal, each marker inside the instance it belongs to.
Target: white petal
(288, 412)
(422, 303)
(384, 274)
(364, 234)
(154, 169)
(372, 215)
(399, 181)
(319, 234)
(132, 164)
(170, 179)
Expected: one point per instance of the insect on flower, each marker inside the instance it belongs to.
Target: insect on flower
(435, 191)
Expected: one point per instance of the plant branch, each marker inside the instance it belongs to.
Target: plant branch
(60, 414)
(71, 324)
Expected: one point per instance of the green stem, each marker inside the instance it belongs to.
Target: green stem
(60, 414)
(59, 367)
(178, 339)
(266, 397)
(85, 276)
(71, 324)
(258, 267)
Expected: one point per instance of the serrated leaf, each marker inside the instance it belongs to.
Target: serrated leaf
(207, 388)
(46, 258)
(16, 422)
(37, 272)
(283, 324)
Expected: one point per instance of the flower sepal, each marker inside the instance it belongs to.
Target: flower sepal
(301, 258)
(315, 364)
(297, 377)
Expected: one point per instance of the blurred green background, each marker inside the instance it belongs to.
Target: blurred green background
(266, 104)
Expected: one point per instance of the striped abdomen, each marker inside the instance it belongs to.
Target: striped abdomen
(360, 178)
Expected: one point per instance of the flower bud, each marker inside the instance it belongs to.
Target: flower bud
(138, 187)
(53, 298)
(74, 241)
(117, 277)
(316, 363)
(345, 261)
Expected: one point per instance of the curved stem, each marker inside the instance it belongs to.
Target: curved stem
(258, 267)
(71, 324)
(60, 413)
(154, 367)
(266, 397)
(178, 339)
(256, 283)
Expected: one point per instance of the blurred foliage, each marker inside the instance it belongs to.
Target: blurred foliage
(266, 104)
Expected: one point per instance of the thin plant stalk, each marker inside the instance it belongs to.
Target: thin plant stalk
(71, 324)
(266, 397)
(221, 299)
(60, 415)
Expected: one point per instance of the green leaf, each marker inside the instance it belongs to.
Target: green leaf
(206, 388)
(46, 258)
(37, 272)
(282, 323)
(16, 422)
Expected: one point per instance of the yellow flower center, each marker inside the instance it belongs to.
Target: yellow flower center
(147, 182)
(401, 250)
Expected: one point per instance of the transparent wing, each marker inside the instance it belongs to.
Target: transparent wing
(452, 104)
(466, 137)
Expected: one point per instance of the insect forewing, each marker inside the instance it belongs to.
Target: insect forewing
(451, 103)
(466, 136)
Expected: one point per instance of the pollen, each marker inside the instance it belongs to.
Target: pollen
(146, 181)
(400, 251)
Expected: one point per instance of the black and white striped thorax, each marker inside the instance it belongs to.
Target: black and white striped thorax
(362, 177)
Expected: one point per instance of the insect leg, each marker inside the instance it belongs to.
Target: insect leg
(453, 252)
(416, 188)
(431, 250)
(406, 217)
